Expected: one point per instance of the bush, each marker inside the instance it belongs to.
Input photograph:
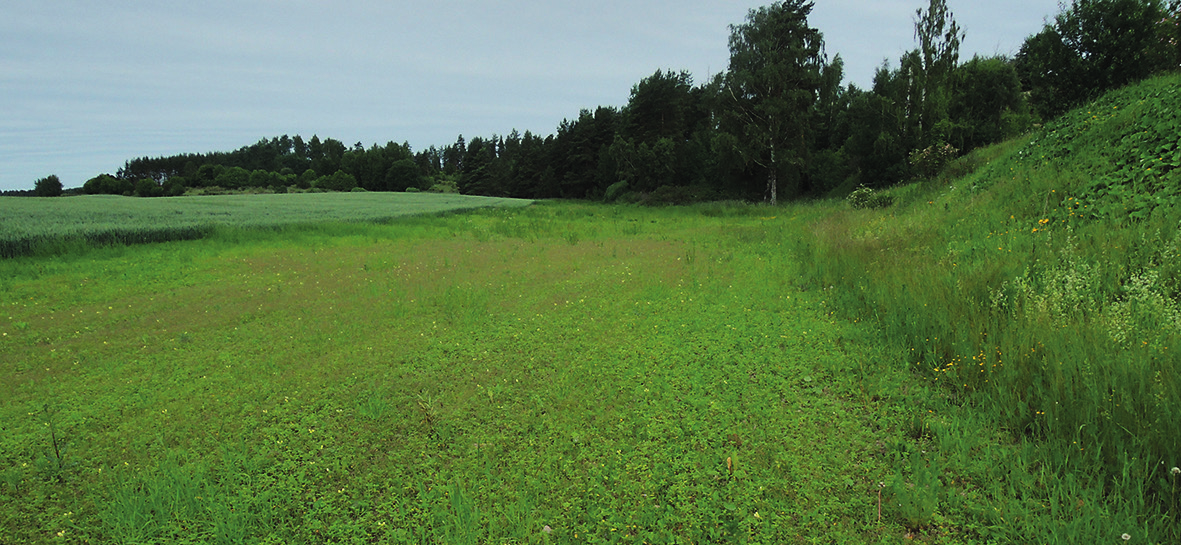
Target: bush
(679, 194)
(233, 178)
(866, 198)
(305, 179)
(174, 187)
(338, 181)
(929, 161)
(105, 184)
(614, 191)
(961, 167)
(147, 187)
(444, 186)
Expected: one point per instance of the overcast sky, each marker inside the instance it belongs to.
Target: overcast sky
(86, 85)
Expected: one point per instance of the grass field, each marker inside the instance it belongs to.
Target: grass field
(53, 225)
(990, 359)
(560, 373)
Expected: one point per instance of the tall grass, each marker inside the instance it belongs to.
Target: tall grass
(1047, 302)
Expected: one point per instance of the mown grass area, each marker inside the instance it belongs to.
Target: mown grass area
(1037, 281)
(559, 373)
(46, 226)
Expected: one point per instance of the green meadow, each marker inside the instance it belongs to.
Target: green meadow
(558, 373)
(988, 356)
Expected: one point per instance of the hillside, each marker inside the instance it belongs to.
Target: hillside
(1038, 281)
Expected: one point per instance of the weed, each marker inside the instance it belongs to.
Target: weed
(57, 453)
(428, 409)
(373, 407)
(572, 237)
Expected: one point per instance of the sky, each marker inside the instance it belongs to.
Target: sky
(86, 85)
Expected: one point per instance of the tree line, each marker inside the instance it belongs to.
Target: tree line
(778, 122)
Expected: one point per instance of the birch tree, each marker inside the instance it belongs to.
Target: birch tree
(772, 84)
(939, 38)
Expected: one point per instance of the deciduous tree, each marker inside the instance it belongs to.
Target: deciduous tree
(939, 38)
(772, 83)
(49, 186)
(1094, 46)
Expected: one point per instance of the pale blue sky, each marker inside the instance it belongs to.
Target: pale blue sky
(86, 85)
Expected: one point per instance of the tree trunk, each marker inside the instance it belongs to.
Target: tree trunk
(772, 181)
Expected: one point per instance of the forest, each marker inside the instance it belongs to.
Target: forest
(780, 122)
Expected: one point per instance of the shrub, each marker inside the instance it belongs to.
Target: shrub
(929, 161)
(614, 191)
(147, 187)
(678, 194)
(105, 184)
(233, 178)
(866, 198)
(305, 179)
(444, 187)
(403, 174)
(338, 181)
(174, 187)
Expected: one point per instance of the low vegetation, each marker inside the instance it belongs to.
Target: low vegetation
(1038, 284)
(558, 373)
(31, 226)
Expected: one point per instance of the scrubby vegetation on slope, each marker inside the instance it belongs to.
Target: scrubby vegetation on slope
(1038, 282)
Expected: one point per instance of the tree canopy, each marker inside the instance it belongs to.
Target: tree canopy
(1095, 46)
(49, 186)
(772, 83)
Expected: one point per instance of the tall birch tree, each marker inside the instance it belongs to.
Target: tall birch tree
(939, 38)
(772, 84)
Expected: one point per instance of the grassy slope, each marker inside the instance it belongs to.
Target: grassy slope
(615, 374)
(1038, 282)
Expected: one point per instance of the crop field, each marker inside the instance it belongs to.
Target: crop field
(32, 225)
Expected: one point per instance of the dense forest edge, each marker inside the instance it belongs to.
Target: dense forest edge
(779, 121)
